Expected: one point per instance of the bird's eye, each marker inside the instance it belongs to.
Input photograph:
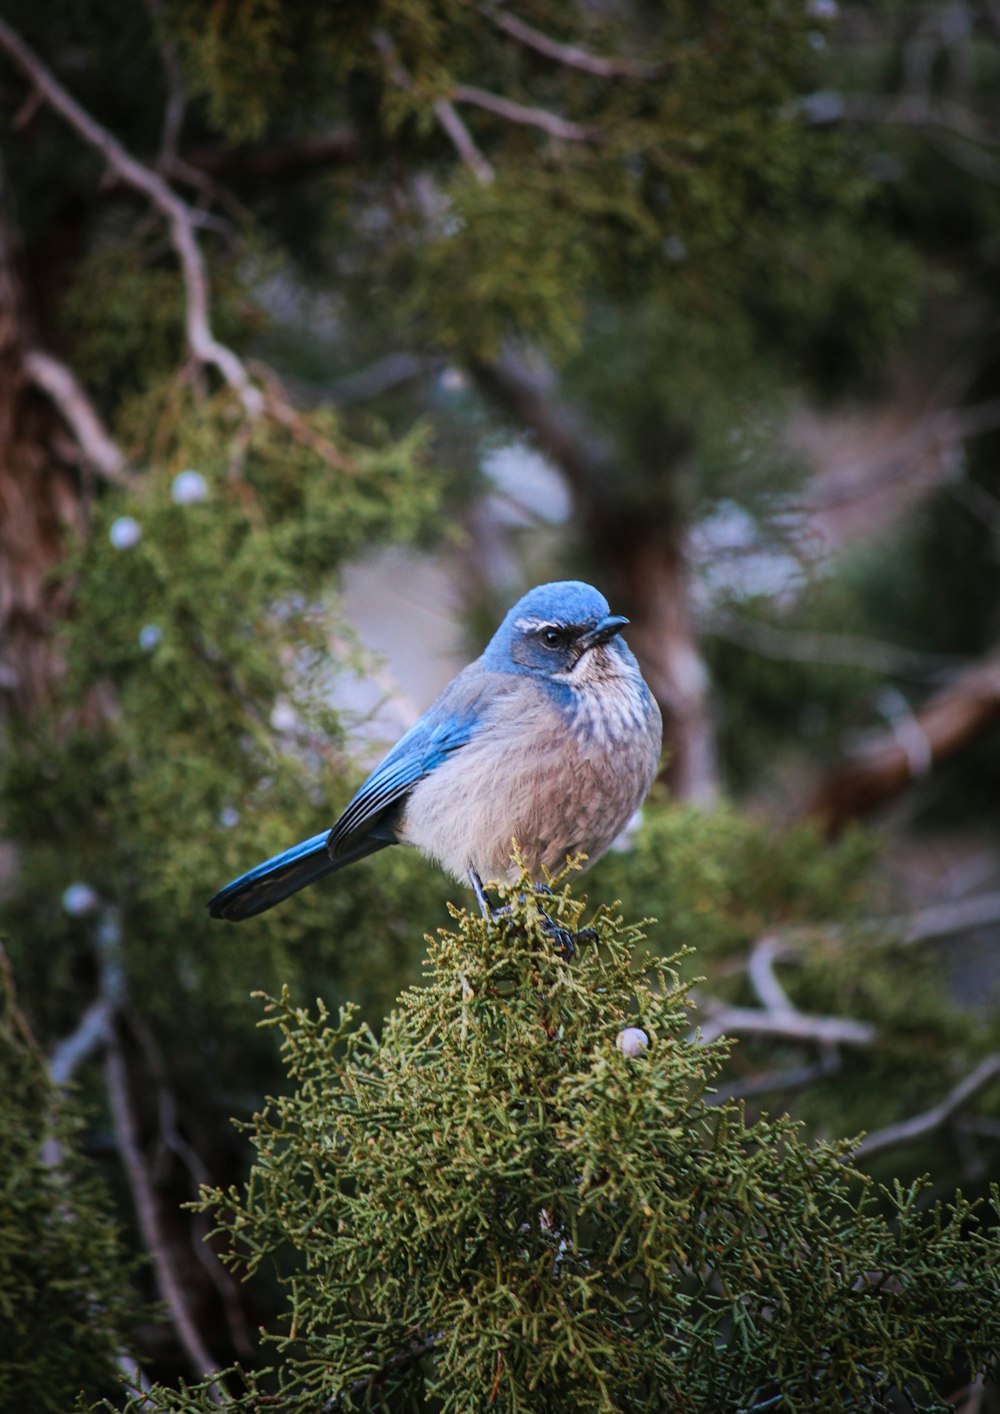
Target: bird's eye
(553, 637)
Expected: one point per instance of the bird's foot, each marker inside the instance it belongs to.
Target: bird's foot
(565, 939)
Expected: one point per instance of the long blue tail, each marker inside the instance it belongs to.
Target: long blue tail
(285, 874)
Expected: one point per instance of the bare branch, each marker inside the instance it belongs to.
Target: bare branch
(144, 1199)
(916, 111)
(461, 139)
(134, 1378)
(181, 219)
(907, 1131)
(792, 1026)
(380, 377)
(849, 650)
(80, 1045)
(221, 1279)
(173, 116)
(778, 1081)
(60, 383)
(572, 55)
(771, 994)
(279, 160)
(946, 918)
(550, 123)
(951, 718)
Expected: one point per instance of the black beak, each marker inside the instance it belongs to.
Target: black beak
(602, 632)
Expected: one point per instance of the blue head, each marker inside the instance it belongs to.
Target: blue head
(561, 631)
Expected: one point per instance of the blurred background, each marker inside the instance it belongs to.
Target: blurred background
(326, 331)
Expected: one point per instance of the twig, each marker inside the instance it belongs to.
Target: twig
(60, 383)
(461, 139)
(849, 650)
(793, 1026)
(89, 1036)
(279, 409)
(144, 1200)
(201, 1178)
(550, 123)
(173, 116)
(774, 1081)
(400, 1360)
(771, 994)
(112, 991)
(287, 159)
(181, 219)
(385, 374)
(916, 111)
(944, 918)
(893, 1136)
(572, 55)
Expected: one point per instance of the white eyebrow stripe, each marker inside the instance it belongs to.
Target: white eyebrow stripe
(533, 625)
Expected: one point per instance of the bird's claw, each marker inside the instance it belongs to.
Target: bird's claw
(565, 939)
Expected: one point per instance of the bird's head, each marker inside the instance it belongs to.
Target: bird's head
(562, 631)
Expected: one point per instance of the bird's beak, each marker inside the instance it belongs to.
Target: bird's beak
(602, 632)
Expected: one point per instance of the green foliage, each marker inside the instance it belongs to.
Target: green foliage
(64, 1307)
(493, 1205)
(220, 616)
(722, 878)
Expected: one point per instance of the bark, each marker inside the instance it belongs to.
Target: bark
(41, 503)
(942, 727)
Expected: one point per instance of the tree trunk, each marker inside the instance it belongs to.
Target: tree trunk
(41, 503)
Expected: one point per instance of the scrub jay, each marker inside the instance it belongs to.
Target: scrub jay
(550, 738)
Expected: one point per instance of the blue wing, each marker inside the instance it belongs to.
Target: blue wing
(374, 810)
(369, 822)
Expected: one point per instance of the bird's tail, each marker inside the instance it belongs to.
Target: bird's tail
(267, 884)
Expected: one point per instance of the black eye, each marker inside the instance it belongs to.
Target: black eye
(554, 637)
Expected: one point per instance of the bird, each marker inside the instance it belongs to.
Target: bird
(550, 739)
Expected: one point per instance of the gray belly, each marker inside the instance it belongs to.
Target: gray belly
(565, 800)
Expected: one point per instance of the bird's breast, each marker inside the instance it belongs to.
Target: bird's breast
(560, 774)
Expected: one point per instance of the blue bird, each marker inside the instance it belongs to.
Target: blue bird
(550, 738)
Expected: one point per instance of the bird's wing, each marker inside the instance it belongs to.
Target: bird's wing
(446, 727)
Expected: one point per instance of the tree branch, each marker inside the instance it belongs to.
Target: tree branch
(778, 1081)
(519, 113)
(945, 918)
(849, 650)
(951, 718)
(144, 1199)
(461, 139)
(571, 55)
(90, 1035)
(792, 1026)
(280, 160)
(173, 115)
(60, 383)
(771, 994)
(175, 1141)
(907, 1131)
(180, 218)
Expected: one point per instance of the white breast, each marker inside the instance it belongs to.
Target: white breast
(559, 782)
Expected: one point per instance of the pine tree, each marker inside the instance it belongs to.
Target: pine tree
(522, 1196)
